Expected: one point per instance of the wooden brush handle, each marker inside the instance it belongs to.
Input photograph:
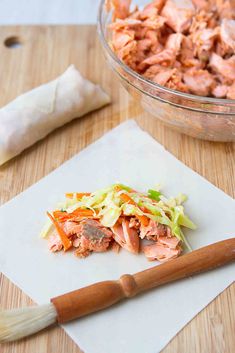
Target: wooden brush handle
(104, 294)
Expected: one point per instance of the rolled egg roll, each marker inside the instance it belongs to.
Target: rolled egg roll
(34, 114)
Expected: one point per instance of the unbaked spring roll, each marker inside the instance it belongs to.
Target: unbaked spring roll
(34, 114)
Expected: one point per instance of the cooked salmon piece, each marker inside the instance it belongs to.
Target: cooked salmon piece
(175, 81)
(160, 252)
(186, 56)
(121, 8)
(82, 252)
(220, 91)
(71, 228)
(154, 23)
(92, 236)
(153, 231)
(227, 32)
(201, 4)
(149, 11)
(166, 57)
(174, 42)
(127, 50)
(203, 42)
(54, 242)
(131, 237)
(127, 23)
(76, 242)
(199, 82)
(143, 46)
(163, 77)
(152, 71)
(171, 242)
(178, 14)
(225, 67)
(225, 8)
(231, 91)
(204, 19)
(126, 236)
(156, 46)
(121, 39)
(118, 235)
(154, 5)
(223, 50)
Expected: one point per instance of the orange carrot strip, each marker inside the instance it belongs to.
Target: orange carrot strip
(78, 195)
(63, 236)
(126, 198)
(82, 212)
(79, 212)
(60, 214)
(144, 220)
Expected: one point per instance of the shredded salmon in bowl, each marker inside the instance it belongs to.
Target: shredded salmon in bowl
(119, 217)
(185, 45)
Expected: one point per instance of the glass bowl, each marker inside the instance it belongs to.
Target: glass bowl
(202, 117)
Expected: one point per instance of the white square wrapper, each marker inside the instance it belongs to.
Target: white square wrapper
(143, 324)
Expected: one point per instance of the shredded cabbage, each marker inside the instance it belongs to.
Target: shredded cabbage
(154, 194)
(110, 216)
(46, 229)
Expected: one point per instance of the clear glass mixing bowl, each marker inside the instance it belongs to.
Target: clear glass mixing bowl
(202, 117)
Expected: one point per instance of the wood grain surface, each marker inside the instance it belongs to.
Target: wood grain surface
(44, 54)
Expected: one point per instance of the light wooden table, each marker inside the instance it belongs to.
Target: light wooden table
(44, 54)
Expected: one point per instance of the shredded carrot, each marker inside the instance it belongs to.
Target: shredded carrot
(144, 220)
(63, 236)
(79, 212)
(126, 198)
(82, 212)
(78, 195)
(62, 215)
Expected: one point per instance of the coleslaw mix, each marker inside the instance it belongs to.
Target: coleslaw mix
(122, 215)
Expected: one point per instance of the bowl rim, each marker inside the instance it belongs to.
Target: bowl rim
(200, 99)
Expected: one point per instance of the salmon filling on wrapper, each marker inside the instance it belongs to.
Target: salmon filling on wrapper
(119, 217)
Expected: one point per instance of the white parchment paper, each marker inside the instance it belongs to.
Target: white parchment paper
(143, 324)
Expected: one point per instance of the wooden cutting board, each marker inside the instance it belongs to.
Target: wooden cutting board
(32, 55)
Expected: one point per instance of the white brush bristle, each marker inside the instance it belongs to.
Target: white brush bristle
(18, 323)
